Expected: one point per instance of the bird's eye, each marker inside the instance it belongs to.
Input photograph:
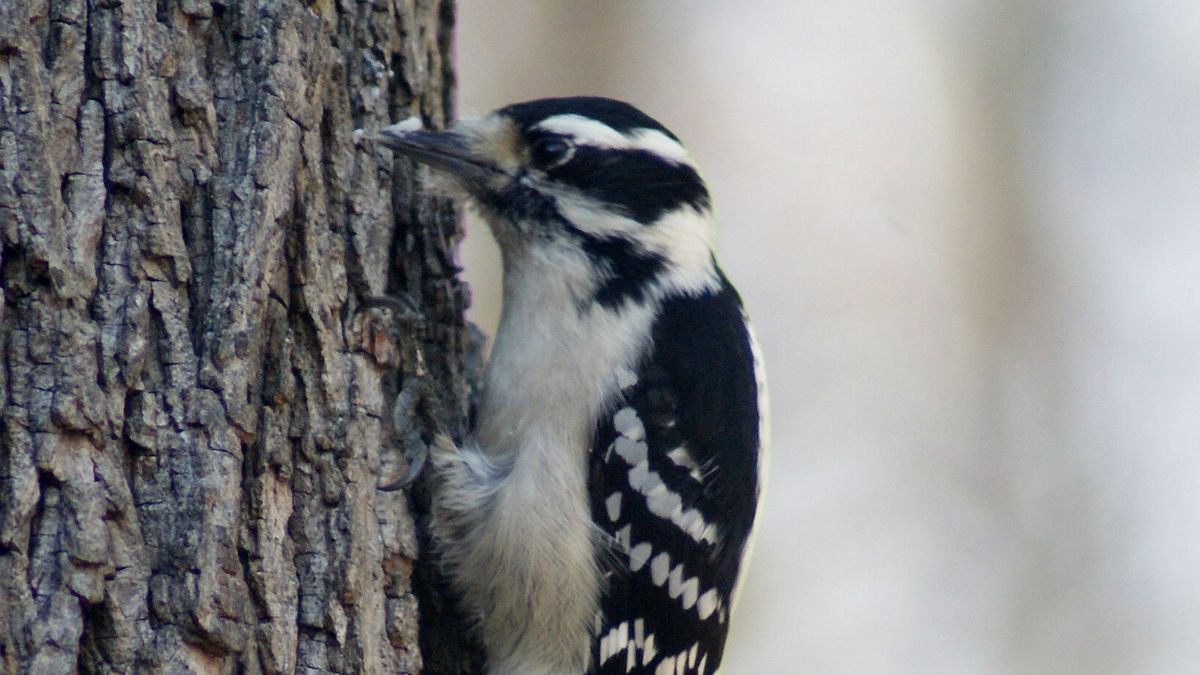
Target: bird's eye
(548, 153)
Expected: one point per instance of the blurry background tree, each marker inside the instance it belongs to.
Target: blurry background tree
(194, 407)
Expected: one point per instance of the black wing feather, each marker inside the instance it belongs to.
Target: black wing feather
(696, 391)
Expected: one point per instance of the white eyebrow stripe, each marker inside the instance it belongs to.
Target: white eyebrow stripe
(590, 132)
(583, 130)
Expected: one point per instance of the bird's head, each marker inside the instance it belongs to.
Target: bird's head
(584, 186)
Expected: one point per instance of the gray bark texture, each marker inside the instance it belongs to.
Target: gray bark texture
(196, 405)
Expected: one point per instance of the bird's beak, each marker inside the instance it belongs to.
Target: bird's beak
(441, 150)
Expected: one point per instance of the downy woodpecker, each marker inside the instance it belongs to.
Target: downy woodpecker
(598, 518)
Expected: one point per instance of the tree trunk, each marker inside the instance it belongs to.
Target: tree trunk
(197, 408)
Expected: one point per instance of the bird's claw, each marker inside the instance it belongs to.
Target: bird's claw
(416, 465)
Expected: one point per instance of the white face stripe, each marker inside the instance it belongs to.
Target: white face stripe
(684, 237)
(587, 131)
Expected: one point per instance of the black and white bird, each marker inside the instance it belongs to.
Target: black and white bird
(598, 518)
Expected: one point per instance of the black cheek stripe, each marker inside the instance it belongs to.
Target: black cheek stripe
(630, 270)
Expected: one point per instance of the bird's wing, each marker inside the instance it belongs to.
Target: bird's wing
(674, 483)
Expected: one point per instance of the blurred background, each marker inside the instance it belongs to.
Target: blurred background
(969, 235)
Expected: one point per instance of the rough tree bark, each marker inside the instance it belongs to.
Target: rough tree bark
(196, 407)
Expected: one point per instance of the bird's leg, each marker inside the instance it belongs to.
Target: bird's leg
(412, 445)
(400, 346)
